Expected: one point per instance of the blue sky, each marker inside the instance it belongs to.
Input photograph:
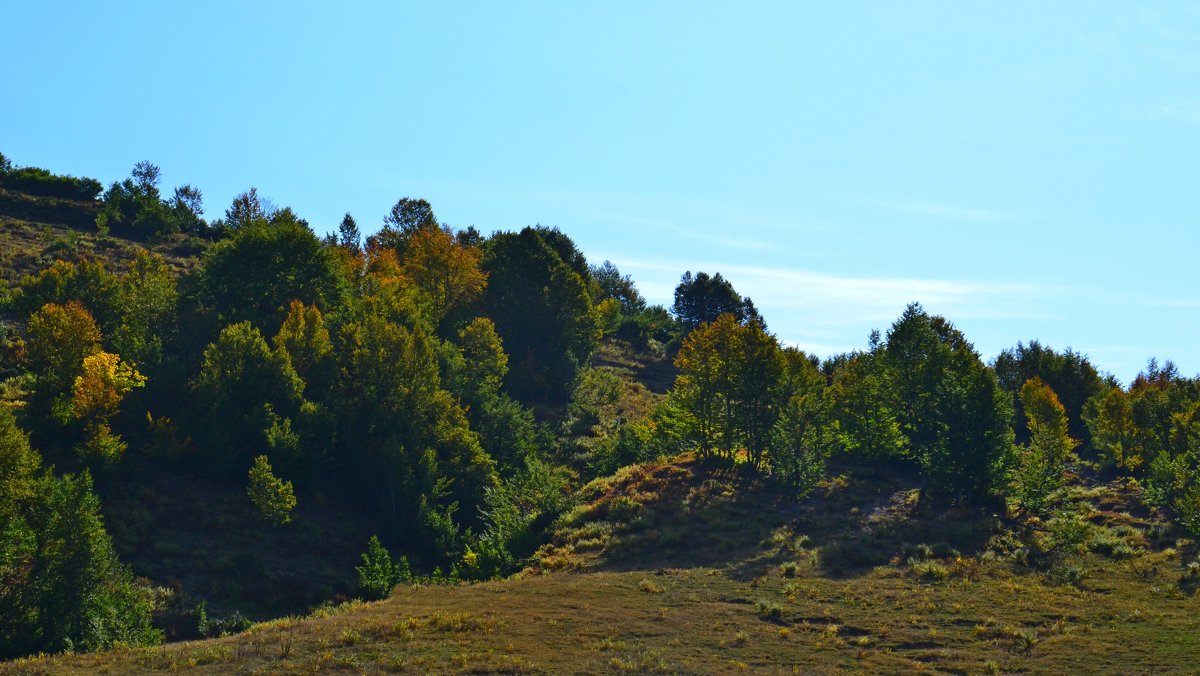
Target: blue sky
(1027, 169)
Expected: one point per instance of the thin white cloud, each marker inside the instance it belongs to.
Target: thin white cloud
(942, 210)
(836, 300)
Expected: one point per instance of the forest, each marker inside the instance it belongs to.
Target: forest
(438, 396)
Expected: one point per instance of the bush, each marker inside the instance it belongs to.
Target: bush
(35, 181)
(769, 610)
(624, 508)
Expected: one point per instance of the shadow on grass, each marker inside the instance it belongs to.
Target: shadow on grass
(726, 518)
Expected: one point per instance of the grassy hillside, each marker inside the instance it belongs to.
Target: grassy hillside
(678, 567)
(27, 247)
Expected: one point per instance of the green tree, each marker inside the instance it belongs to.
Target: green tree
(801, 443)
(254, 275)
(1109, 418)
(243, 391)
(148, 301)
(701, 388)
(305, 339)
(349, 237)
(88, 283)
(542, 310)
(407, 217)
(476, 370)
(413, 448)
(272, 496)
(756, 388)
(950, 406)
(61, 585)
(702, 298)
(611, 284)
(863, 410)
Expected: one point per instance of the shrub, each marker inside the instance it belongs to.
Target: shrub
(624, 508)
(769, 610)
(378, 574)
(928, 570)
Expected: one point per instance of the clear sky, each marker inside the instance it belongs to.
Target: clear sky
(1027, 169)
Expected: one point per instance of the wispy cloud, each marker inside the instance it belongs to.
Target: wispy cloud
(942, 210)
(823, 299)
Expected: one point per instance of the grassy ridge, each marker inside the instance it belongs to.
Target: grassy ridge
(713, 573)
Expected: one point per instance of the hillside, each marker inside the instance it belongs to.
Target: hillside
(676, 567)
(547, 473)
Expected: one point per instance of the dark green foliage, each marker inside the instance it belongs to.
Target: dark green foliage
(611, 284)
(700, 299)
(349, 237)
(254, 275)
(949, 406)
(35, 181)
(653, 322)
(244, 391)
(61, 586)
(513, 510)
(415, 452)
(538, 298)
(88, 282)
(801, 440)
(135, 207)
(475, 370)
(863, 409)
(187, 209)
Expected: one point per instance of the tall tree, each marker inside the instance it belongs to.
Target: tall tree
(266, 264)
(445, 274)
(243, 391)
(950, 406)
(701, 299)
(1040, 463)
(542, 311)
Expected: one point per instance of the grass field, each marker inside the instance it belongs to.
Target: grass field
(675, 567)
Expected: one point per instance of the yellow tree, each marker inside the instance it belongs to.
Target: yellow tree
(59, 338)
(95, 398)
(445, 273)
(1041, 463)
(306, 341)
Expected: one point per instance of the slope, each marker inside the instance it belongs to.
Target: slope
(678, 567)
